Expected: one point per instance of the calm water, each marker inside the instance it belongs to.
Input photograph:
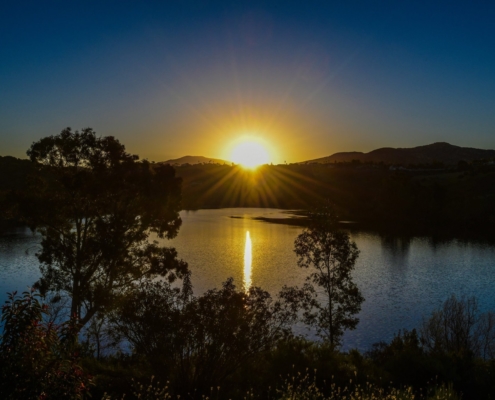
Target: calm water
(401, 280)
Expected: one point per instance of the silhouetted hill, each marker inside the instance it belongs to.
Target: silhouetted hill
(436, 152)
(195, 160)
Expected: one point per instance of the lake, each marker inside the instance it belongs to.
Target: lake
(401, 279)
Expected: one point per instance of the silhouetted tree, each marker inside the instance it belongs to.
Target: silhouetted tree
(197, 342)
(331, 256)
(459, 328)
(96, 206)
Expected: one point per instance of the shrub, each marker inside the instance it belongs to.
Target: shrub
(38, 360)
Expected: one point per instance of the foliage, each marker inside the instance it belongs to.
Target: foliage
(96, 206)
(150, 318)
(197, 342)
(460, 328)
(331, 256)
(416, 200)
(303, 387)
(403, 360)
(219, 346)
(152, 391)
(452, 346)
(38, 360)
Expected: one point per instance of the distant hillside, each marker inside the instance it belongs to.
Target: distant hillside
(14, 172)
(439, 152)
(195, 160)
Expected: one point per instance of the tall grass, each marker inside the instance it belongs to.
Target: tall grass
(304, 387)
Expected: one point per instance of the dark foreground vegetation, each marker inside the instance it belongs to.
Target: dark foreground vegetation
(114, 314)
(229, 344)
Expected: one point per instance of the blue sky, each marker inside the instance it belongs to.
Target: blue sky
(310, 78)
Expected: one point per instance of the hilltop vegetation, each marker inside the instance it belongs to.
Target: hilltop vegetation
(419, 197)
(425, 197)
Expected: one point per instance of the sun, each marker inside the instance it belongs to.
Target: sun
(250, 154)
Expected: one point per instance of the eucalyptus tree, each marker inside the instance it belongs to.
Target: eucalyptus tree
(331, 256)
(96, 207)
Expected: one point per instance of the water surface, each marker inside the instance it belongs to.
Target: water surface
(401, 279)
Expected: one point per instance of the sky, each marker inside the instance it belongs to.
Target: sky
(305, 78)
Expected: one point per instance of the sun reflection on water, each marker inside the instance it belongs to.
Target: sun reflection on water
(248, 261)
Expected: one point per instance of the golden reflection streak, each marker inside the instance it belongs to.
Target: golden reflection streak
(248, 261)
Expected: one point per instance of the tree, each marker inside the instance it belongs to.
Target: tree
(96, 206)
(459, 328)
(198, 342)
(331, 256)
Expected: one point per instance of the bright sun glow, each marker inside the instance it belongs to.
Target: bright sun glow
(250, 154)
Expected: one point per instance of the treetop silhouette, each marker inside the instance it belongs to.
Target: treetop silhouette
(96, 207)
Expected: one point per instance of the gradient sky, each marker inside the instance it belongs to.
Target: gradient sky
(175, 78)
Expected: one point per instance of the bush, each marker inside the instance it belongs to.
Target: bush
(38, 360)
(199, 342)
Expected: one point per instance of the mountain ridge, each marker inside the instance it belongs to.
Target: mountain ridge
(194, 160)
(426, 154)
